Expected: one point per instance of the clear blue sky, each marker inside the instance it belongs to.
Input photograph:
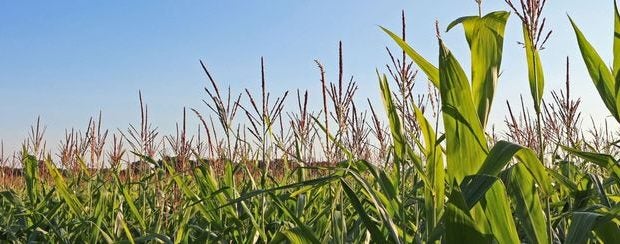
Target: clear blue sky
(67, 60)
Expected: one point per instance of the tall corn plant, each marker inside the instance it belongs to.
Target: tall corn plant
(602, 220)
(607, 82)
(459, 99)
(480, 199)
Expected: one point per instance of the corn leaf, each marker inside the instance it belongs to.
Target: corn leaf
(599, 73)
(528, 208)
(302, 233)
(499, 215)
(501, 154)
(460, 225)
(31, 176)
(378, 201)
(130, 202)
(465, 140)
(607, 228)
(616, 67)
(474, 187)
(493, 199)
(605, 161)
(434, 195)
(63, 190)
(534, 70)
(294, 235)
(398, 138)
(429, 69)
(370, 225)
(581, 226)
(485, 36)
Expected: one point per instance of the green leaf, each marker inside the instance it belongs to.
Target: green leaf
(460, 226)
(294, 235)
(434, 169)
(154, 237)
(370, 225)
(492, 195)
(303, 232)
(501, 154)
(130, 202)
(388, 186)
(120, 219)
(605, 161)
(466, 145)
(474, 187)
(607, 229)
(565, 181)
(429, 69)
(485, 36)
(599, 73)
(398, 139)
(377, 200)
(528, 208)
(31, 176)
(63, 190)
(581, 226)
(534, 70)
(598, 187)
(308, 184)
(497, 211)
(616, 67)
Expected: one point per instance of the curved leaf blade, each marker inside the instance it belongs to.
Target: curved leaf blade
(429, 69)
(466, 145)
(599, 73)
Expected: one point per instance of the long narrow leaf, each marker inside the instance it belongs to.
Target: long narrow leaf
(600, 74)
(528, 207)
(534, 69)
(429, 69)
(485, 36)
(466, 145)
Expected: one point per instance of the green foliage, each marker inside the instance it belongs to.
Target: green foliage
(485, 36)
(429, 69)
(438, 184)
(466, 144)
(605, 79)
(534, 70)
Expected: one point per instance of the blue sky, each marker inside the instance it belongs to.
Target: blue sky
(66, 61)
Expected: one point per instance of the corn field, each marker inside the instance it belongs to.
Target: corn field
(418, 167)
